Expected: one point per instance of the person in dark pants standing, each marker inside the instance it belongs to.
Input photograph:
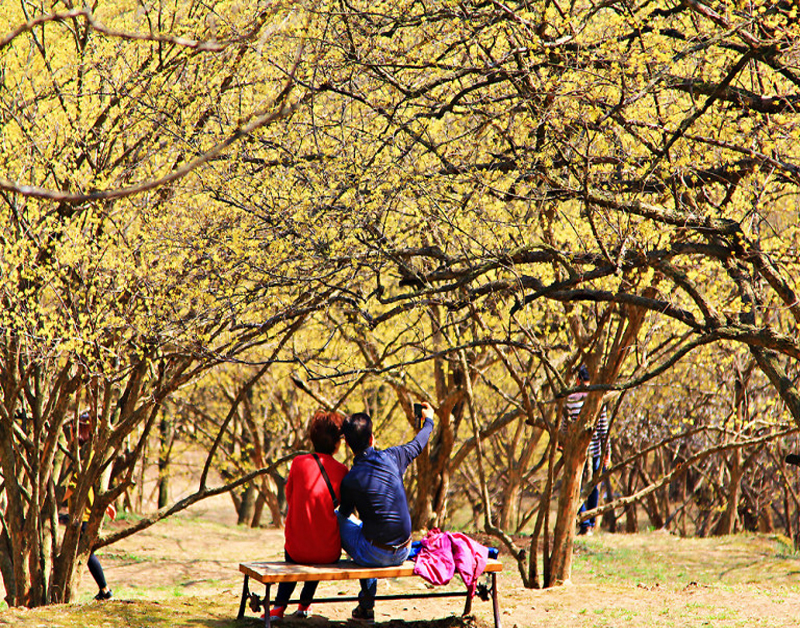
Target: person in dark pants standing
(598, 455)
(374, 488)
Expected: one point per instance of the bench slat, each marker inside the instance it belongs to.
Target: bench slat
(271, 572)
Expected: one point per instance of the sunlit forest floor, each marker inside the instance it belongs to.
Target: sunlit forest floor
(184, 572)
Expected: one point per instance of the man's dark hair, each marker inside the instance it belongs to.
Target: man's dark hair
(357, 430)
(325, 430)
(583, 373)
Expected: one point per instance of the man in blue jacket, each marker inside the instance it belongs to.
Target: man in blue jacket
(374, 488)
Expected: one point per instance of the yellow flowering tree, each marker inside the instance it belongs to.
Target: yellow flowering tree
(479, 187)
(636, 164)
(122, 279)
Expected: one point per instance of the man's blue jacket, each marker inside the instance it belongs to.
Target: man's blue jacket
(374, 487)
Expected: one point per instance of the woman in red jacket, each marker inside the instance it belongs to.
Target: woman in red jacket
(312, 492)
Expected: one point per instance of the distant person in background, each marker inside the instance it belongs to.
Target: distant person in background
(93, 563)
(597, 455)
(312, 493)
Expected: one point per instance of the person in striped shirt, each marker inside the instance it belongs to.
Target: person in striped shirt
(600, 458)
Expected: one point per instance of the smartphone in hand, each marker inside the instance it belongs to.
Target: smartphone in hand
(418, 415)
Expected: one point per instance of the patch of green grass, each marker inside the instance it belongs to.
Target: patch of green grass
(124, 556)
(621, 563)
(784, 548)
(160, 593)
(131, 517)
(131, 614)
(623, 614)
(663, 558)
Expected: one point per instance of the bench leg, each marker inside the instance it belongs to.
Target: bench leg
(266, 607)
(495, 603)
(467, 605)
(245, 595)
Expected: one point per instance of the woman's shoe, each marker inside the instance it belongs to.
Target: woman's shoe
(276, 614)
(303, 611)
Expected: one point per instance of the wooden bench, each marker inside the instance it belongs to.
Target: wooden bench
(269, 573)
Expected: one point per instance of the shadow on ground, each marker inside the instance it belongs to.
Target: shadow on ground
(323, 622)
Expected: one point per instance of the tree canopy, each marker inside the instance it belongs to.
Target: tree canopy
(457, 201)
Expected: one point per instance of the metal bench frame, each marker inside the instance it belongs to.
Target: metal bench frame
(269, 573)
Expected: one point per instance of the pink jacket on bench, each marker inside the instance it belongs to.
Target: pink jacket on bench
(442, 554)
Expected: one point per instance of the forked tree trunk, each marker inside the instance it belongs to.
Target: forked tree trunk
(560, 562)
(433, 464)
(651, 504)
(576, 443)
(736, 464)
(509, 509)
(579, 435)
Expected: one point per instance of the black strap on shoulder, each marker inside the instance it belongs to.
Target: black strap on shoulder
(327, 481)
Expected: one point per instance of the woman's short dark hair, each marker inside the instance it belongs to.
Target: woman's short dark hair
(325, 430)
(357, 430)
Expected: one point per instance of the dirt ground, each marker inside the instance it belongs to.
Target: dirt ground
(196, 555)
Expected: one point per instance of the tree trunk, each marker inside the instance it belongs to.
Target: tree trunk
(631, 514)
(271, 492)
(609, 521)
(665, 506)
(579, 435)
(258, 512)
(509, 507)
(26, 550)
(560, 561)
(770, 365)
(575, 445)
(766, 524)
(7, 566)
(247, 505)
(651, 501)
(727, 523)
(518, 464)
(433, 464)
(166, 431)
